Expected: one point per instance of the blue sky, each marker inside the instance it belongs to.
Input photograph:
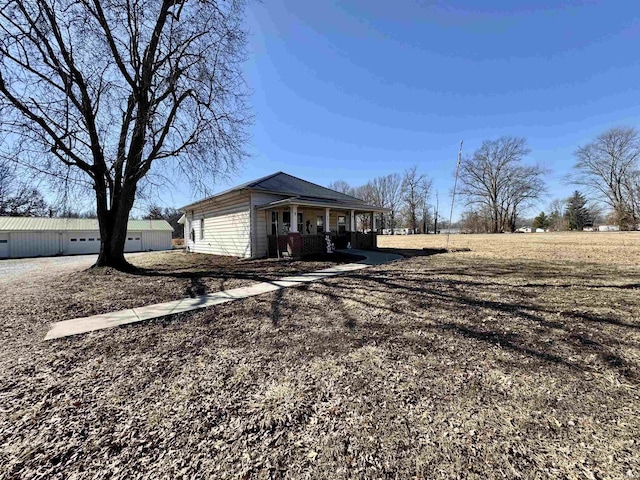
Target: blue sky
(356, 89)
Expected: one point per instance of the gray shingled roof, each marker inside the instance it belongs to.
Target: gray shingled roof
(284, 184)
(20, 224)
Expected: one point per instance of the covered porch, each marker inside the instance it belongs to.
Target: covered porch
(299, 227)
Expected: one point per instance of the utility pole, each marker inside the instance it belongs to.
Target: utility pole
(453, 195)
(435, 215)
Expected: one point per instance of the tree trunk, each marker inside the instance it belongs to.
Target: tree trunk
(113, 228)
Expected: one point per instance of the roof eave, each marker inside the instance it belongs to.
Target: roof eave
(334, 206)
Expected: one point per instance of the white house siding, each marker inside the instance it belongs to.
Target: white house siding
(261, 223)
(227, 226)
(156, 240)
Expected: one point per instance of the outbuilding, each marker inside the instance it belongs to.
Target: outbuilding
(43, 237)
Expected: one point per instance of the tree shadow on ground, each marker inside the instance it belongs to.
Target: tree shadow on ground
(567, 341)
(242, 271)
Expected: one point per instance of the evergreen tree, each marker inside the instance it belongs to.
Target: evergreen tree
(541, 221)
(577, 214)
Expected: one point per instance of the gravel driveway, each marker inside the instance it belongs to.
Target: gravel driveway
(17, 268)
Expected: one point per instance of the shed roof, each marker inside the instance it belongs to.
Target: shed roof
(20, 224)
(285, 184)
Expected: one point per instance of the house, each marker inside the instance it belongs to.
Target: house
(41, 237)
(276, 215)
(608, 228)
(397, 231)
(524, 230)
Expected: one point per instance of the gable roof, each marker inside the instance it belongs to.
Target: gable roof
(20, 224)
(284, 184)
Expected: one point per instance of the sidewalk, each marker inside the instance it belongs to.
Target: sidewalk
(98, 322)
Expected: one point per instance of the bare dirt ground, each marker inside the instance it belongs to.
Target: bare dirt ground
(499, 363)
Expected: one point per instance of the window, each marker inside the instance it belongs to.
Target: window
(74, 239)
(202, 229)
(286, 222)
(4, 241)
(128, 238)
(97, 239)
(83, 239)
(300, 224)
(137, 238)
(92, 239)
(342, 224)
(320, 224)
(274, 223)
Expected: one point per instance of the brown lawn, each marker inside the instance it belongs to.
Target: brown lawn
(519, 359)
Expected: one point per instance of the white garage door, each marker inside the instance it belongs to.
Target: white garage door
(4, 246)
(134, 242)
(82, 243)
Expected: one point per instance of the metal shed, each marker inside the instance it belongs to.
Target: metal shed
(41, 237)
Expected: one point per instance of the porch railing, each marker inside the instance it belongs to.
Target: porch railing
(317, 244)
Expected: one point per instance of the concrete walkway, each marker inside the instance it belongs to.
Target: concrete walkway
(77, 326)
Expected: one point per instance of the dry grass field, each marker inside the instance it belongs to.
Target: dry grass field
(607, 248)
(517, 359)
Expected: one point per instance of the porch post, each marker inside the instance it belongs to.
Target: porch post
(294, 218)
(374, 234)
(327, 219)
(294, 240)
(353, 236)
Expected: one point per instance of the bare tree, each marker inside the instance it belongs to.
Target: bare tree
(171, 215)
(476, 221)
(100, 91)
(342, 187)
(495, 179)
(556, 215)
(416, 187)
(610, 168)
(393, 195)
(19, 197)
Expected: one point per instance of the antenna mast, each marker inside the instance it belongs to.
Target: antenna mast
(453, 196)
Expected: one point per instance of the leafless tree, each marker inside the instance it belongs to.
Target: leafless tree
(416, 187)
(476, 221)
(342, 187)
(18, 196)
(556, 215)
(100, 91)
(377, 195)
(496, 179)
(610, 168)
(393, 195)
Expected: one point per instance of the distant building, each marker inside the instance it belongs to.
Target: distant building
(608, 228)
(46, 237)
